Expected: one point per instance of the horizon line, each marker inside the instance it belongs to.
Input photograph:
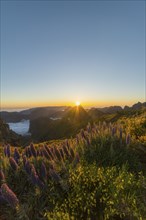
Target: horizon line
(46, 106)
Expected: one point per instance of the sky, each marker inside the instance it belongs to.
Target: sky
(58, 52)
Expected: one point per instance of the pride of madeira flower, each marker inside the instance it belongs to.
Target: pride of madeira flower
(9, 195)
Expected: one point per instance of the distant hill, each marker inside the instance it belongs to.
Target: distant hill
(94, 113)
(7, 135)
(12, 116)
(33, 113)
(111, 109)
(46, 129)
(61, 111)
(136, 106)
(77, 114)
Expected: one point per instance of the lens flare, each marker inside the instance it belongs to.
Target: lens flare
(77, 103)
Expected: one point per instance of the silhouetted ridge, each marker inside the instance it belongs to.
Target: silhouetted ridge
(77, 114)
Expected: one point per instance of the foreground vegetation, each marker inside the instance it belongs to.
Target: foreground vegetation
(99, 175)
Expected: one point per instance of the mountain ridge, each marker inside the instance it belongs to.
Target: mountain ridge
(56, 111)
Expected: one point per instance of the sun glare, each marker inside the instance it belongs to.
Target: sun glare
(77, 103)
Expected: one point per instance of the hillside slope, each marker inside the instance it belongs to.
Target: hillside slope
(7, 135)
(100, 174)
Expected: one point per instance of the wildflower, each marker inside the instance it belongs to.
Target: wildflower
(67, 144)
(27, 167)
(61, 153)
(33, 170)
(2, 200)
(33, 174)
(9, 195)
(66, 151)
(2, 176)
(88, 127)
(83, 134)
(43, 170)
(24, 159)
(41, 153)
(13, 163)
(37, 153)
(76, 160)
(33, 150)
(128, 138)
(39, 182)
(26, 152)
(35, 178)
(52, 152)
(46, 147)
(57, 153)
(77, 139)
(16, 155)
(5, 150)
(49, 152)
(45, 153)
(121, 132)
(72, 152)
(29, 152)
(87, 140)
(104, 125)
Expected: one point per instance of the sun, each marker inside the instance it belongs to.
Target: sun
(77, 103)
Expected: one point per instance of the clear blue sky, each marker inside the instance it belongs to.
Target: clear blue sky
(55, 53)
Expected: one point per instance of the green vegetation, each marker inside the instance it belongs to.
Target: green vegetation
(43, 128)
(99, 175)
(8, 136)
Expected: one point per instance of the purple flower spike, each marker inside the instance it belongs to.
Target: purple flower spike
(87, 140)
(45, 153)
(27, 167)
(57, 153)
(9, 195)
(24, 160)
(8, 151)
(33, 175)
(38, 153)
(41, 153)
(33, 150)
(2, 176)
(16, 155)
(35, 178)
(5, 150)
(76, 160)
(67, 144)
(128, 138)
(66, 151)
(77, 139)
(61, 153)
(49, 151)
(83, 134)
(2, 200)
(39, 183)
(13, 163)
(29, 152)
(72, 152)
(89, 127)
(43, 170)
